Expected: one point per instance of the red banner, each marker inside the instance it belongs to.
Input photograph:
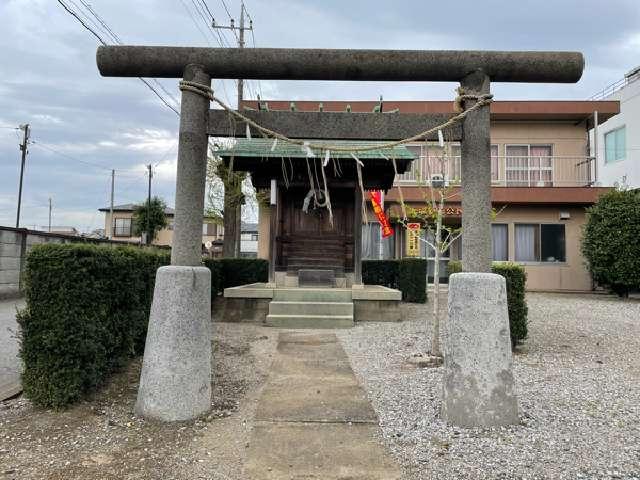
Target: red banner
(376, 203)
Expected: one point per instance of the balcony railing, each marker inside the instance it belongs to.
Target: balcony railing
(507, 171)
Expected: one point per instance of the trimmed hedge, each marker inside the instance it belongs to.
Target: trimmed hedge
(86, 315)
(412, 279)
(232, 272)
(380, 272)
(408, 275)
(516, 278)
(610, 241)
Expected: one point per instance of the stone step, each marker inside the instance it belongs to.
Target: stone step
(310, 321)
(311, 308)
(306, 260)
(312, 295)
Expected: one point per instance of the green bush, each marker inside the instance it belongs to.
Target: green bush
(241, 271)
(86, 314)
(610, 241)
(408, 275)
(217, 276)
(516, 278)
(454, 266)
(380, 272)
(412, 279)
(232, 272)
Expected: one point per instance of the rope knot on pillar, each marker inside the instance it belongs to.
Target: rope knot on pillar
(458, 102)
(199, 88)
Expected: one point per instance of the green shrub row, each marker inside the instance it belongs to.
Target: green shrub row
(409, 275)
(232, 272)
(86, 314)
(516, 278)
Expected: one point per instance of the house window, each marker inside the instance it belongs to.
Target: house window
(540, 243)
(122, 227)
(456, 173)
(500, 242)
(371, 240)
(495, 168)
(254, 237)
(615, 145)
(529, 165)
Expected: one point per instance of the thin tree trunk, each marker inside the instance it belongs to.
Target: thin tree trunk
(435, 334)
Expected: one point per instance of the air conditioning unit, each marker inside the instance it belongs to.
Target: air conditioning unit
(437, 180)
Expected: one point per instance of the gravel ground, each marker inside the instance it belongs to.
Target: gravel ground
(102, 439)
(9, 362)
(578, 383)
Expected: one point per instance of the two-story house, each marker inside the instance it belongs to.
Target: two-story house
(617, 140)
(543, 180)
(120, 227)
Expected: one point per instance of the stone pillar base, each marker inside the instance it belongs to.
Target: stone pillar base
(175, 383)
(478, 386)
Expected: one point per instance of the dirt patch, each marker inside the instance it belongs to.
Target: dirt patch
(101, 438)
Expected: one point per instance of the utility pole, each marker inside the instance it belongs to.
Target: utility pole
(149, 206)
(233, 215)
(241, 29)
(49, 214)
(113, 182)
(23, 147)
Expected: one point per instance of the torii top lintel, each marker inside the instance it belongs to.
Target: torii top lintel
(341, 64)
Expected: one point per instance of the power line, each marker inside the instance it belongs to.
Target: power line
(220, 40)
(103, 42)
(69, 157)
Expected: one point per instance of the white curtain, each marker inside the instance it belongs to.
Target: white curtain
(500, 237)
(371, 241)
(526, 243)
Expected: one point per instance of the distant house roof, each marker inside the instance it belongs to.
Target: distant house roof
(130, 207)
(522, 110)
(265, 148)
(249, 227)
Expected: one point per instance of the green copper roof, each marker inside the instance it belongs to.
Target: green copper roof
(261, 147)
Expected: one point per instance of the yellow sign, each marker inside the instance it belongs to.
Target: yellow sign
(412, 241)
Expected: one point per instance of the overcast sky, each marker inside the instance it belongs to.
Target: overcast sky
(49, 79)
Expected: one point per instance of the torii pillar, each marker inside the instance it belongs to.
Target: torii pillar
(478, 383)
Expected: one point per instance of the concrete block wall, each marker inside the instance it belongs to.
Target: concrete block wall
(15, 244)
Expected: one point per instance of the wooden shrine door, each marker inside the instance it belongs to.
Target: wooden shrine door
(309, 240)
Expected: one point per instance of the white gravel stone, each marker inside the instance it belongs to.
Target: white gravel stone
(577, 379)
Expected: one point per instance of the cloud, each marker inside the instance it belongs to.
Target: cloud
(50, 79)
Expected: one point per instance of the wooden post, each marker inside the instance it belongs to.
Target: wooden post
(357, 238)
(273, 231)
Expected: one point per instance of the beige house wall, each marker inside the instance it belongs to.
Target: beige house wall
(571, 275)
(164, 237)
(567, 140)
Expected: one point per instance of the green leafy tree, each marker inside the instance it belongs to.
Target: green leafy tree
(611, 241)
(149, 217)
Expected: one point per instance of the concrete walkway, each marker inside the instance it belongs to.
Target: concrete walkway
(9, 361)
(314, 420)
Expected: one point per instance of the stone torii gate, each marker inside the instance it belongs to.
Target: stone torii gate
(175, 380)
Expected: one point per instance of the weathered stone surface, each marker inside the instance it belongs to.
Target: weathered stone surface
(316, 278)
(478, 387)
(340, 64)
(318, 451)
(314, 420)
(475, 167)
(175, 383)
(191, 173)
